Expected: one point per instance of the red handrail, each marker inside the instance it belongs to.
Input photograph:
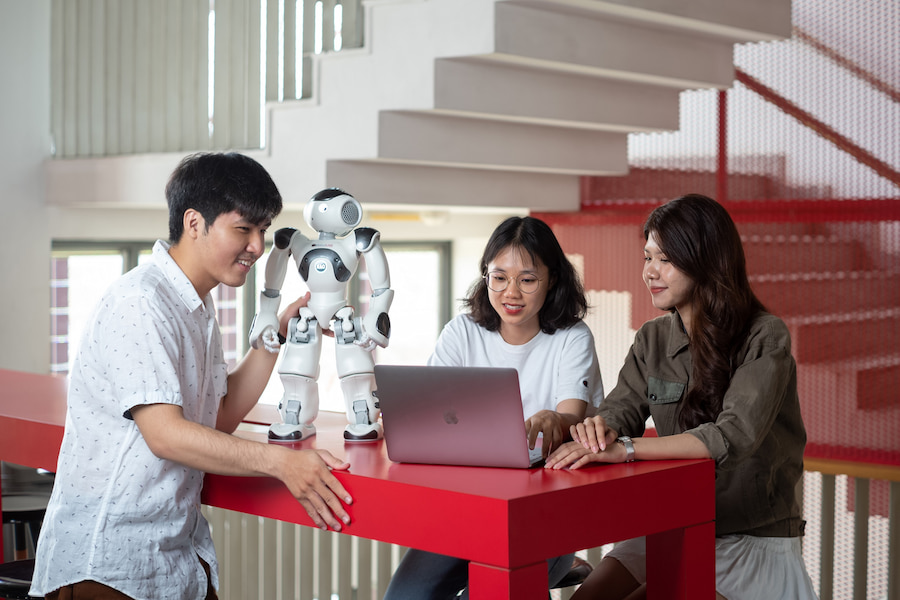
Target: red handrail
(846, 63)
(826, 131)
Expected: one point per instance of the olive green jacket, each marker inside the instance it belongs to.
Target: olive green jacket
(757, 440)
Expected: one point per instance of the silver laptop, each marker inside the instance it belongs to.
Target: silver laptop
(469, 416)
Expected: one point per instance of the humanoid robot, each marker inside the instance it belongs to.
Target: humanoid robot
(326, 265)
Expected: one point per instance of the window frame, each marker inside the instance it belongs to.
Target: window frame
(247, 296)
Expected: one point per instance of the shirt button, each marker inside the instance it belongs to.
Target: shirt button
(653, 396)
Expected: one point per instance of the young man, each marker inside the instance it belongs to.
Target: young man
(151, 406)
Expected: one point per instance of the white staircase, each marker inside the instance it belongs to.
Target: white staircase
(504, 103)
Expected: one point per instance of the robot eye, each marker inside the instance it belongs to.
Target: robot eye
(350, 213)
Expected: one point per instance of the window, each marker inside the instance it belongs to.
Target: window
(81, 272)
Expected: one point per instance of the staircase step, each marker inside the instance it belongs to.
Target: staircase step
(784, 229)
(741, 21)
(547, 88)
(511, 92)
(877, 386)
(768, 254)
(658, 184)
(845, 336)
(582, 40)
(387, 183)
(839, 399)
(434, 138)
(797, 294)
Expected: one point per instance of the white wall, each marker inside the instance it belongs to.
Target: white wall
(25, 237)
(31, 224)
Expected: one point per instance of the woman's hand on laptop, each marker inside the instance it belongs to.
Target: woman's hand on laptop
(554, 425)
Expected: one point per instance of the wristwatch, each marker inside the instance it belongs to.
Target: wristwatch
(629, 447)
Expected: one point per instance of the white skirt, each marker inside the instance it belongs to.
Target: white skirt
(747, 567)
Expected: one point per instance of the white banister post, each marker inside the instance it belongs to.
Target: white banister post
(860, 537)
(307, 563)
(826, 569)
(893, 590)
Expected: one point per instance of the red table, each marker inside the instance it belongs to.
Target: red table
(506, 521)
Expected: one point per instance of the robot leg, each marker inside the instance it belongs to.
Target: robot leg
(356, 370)
(299, 371)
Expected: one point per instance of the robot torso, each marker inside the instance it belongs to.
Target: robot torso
(326, 265)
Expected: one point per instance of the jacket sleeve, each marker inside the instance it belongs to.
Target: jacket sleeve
(757, 393)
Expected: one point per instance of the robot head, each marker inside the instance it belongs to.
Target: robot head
(333, 211)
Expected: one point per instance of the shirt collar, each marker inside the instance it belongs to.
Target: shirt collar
(678, 339)
(180, 282)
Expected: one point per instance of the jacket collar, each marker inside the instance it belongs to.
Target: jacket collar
(678, 339)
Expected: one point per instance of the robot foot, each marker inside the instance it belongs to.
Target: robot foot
(363, 433)
(285, 434)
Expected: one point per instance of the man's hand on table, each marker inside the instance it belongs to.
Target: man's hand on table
(308, 476)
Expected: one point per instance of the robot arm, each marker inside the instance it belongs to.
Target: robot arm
(375, 326)
(264, 331)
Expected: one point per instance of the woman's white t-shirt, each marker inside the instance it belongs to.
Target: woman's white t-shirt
(551, 368)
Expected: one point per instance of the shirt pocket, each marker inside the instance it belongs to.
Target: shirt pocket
(663, 397)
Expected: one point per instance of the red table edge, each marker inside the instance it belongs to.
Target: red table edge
(32, 433)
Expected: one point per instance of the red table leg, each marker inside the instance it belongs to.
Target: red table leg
(681, 564)
(494, 583)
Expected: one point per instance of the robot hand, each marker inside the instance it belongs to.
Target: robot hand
(264, 331)
(363, 338)
(367, 344)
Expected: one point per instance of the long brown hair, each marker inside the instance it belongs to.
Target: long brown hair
(700, 239)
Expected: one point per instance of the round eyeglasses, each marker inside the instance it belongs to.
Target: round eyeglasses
(497, 281)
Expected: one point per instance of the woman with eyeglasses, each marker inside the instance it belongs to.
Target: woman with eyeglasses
(525, 312)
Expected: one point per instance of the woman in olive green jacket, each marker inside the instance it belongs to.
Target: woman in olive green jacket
(717, 376)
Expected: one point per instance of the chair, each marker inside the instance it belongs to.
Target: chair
(15, 579)
(576, 575)
(26, 493)
(25, 512)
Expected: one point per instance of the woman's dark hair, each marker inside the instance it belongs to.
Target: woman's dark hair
(565, 304)
(698, 236)
(214, 183)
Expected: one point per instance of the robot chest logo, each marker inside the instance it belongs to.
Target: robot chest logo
(321, 266)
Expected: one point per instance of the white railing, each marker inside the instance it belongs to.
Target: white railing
(268, 559)
(849, 552)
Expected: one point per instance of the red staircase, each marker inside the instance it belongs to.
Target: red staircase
(833, 283)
